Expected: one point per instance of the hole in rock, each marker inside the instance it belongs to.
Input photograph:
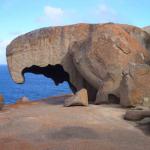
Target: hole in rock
(55, 72)
(113, 99)
(36, 87)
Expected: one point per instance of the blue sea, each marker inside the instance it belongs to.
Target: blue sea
(35, 87)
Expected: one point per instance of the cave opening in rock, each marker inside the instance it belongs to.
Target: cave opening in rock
(55, 72)
(113, 99)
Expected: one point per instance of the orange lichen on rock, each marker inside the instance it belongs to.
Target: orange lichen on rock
(95, 57)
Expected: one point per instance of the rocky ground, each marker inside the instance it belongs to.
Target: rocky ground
(48, 125)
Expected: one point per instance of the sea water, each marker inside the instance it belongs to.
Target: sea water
(35, 87)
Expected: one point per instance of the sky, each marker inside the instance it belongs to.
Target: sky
(21, 16)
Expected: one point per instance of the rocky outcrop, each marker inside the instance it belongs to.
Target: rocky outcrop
(1, 102)
(95, 57)
(79, 99)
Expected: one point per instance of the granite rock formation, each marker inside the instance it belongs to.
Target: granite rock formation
(97, 57)
(78, 99)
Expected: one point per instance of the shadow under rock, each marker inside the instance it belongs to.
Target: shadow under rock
(56, 100)
(144, 125)
(73, 132)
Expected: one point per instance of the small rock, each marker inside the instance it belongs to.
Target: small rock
(1, 102)
(140, 107)
(146, 102)
(23, 100)
(79, 99)
(136, 115)
(133, 115)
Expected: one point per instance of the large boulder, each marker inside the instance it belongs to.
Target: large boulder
(90, 56)
(78, 99)
(1, 102)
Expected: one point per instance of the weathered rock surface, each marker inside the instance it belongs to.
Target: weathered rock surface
(46, 125)
(1, 102)
(135, 87)
(94, 56)
(79, 99)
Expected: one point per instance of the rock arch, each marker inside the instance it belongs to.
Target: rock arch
(103, 58)
(55, 72)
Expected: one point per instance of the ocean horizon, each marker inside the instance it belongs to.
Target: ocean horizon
(35, 87)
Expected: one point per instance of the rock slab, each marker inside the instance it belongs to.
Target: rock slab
(48, 126)
(79, 99)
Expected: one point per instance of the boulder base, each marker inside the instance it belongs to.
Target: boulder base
(90, 56)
